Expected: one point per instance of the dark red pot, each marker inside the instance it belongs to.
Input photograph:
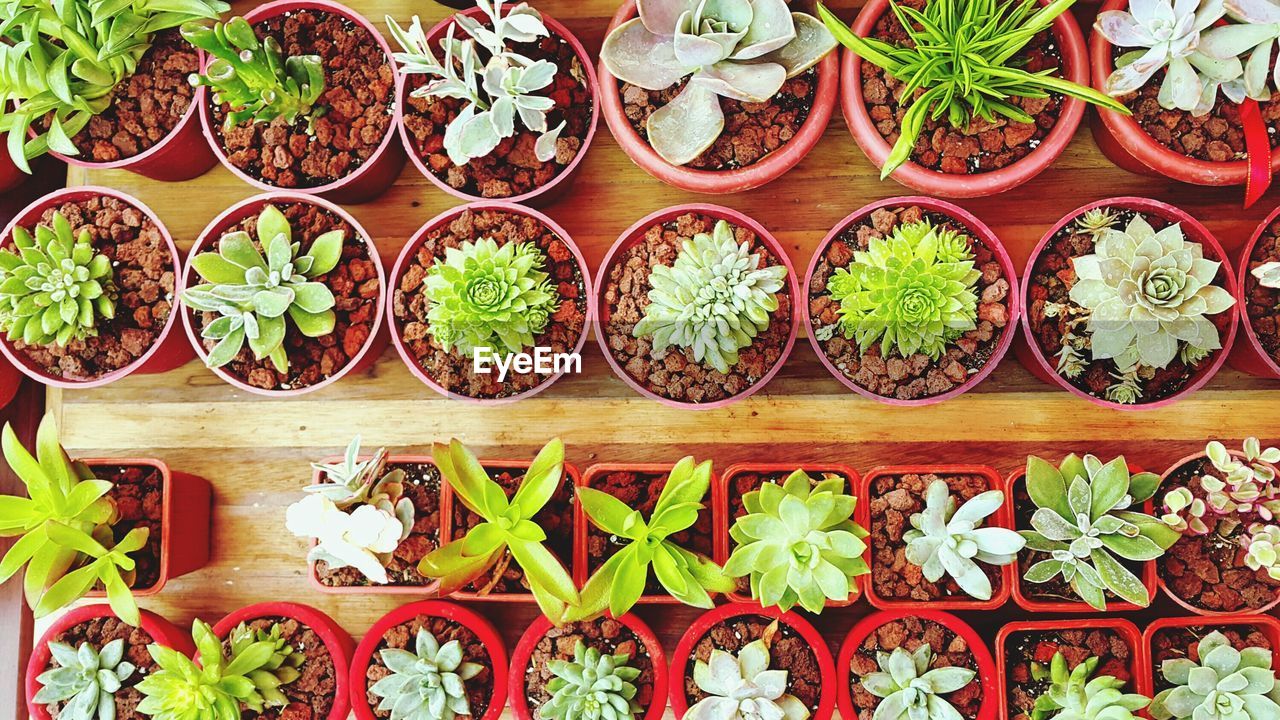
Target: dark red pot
(1248, 354)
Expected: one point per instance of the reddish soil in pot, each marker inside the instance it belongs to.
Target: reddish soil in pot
(98, 632)
(403, 637)
(950, 650)
(454, 371)
(1113, 653)
(789, 651)
(918, 376)
(138, 492)
(606, 635)
(1263, 303)
(673, 373)
(422, 486)
(311, 695)
(358, 98)
(1183, 642)
(144, 279)
(355, 287)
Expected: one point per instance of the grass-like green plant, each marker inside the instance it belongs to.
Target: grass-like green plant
(1075, 694)
(963, 57)
(592, 686)
(1226, 684)
(85, 680)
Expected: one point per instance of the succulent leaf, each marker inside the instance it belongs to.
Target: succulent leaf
(1077, 695)
(946, 540)
(428, 683)
(743, 687)
(909, 690)
(1226, 684)
(592, 686)
(85, 680)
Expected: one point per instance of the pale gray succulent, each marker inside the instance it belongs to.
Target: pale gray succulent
(1254, 33)
(909, 690)
(743, 687)
(593, 686)
(85, 679)
(1227, 684)
(426, 684)
(946, 540)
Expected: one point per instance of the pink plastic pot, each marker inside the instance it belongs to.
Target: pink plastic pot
(1032, 357)
(522, 658)
(167, 352)
(407, 256)
(1248, 354)
(634, 235)
(484, 630)
(366, 182)
(869, 624)
(719, 182)
(930, 182)
(562, 182)
(978, 230)
(373, 345)
(683, 659)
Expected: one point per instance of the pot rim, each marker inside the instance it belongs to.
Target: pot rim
(1250, 334)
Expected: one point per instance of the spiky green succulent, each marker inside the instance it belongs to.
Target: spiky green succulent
(713, 300)
(1226, 684)
(745, 687)
(946, 540)
(914, 291)
(426, 684)
(909, 687)
(280, 668)
(85, 679)
(1074, 694)
(54, 287)
(593, 686)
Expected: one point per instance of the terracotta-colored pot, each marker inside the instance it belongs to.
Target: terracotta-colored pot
(683, 658)
(720, 488)
(409, 253)
(563, 181)
(523, 656)
(365, 183)
(931, 182)
(489, 638)
(1032, 357)
(166, 353)
(212, 233)
(1248, 354)
(634, 235)
(719, 182)
(980, 231)
(1266, 624)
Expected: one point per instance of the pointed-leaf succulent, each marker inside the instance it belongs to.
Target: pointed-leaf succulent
(426, 684)
(909, 690)
(1074, 694)
(1226, 684)
(744, 687)
(593, 686)
(946, 540)
(85, 680)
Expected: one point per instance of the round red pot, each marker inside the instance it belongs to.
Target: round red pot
(1032, 357)
(484, 630)
(683, 657)
(1267, 625)
(373, 345)
(1003, 518)
(720, 488)
(562, 182)
(10, 176)
(1123, 140)
(336, 641)
(931, 182)
(979, 230)
(366, 182)
(523, 656)
(1248, 354)
(161, 631)
(869, 624)
(718, 182)
(166, 353)
(410, 251)
(634, 235)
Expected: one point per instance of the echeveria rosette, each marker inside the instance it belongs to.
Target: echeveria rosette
(910, 690)
(744, 687)
(739, 49)
(1074, 694)
(1227, 684)
(592, 686)
(949, 540)
(85, 680)
(427, 683)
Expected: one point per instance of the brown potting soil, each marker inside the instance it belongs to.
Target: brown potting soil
(1026, 647)
(404, 637)
(455, 371)
(606, 635)
(355, 287)
(311, 696)
(144, 279)
(673, 373)
(1184, 642)
(1262, 304)
(949, 649)
(788, 651)
(98, 632)
(138, 492)
(918, 376)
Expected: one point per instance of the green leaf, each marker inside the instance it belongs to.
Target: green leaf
(1047, 487)
(119, 596)
(542, 569)
(214, 268)
(272, 224)
(39, 484)
(1109, 486)
(594, 596)
(467, 477)
(1119, 579)
(313, 325)
(69, 588)
(541, 480)
(1143, 486)
(325, 252)
(20, 553)
(629, 583)
(687, 483)
(608, 512)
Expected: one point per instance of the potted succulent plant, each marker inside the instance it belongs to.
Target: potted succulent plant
(481, 289)
(1227, 668)
(1223, 505)
(998, 88)
(900, 664)
(717, 98)
(911, 301)
(1067, 669)
(496, 104)
(87, 279)
(429, 659)
(273, 318)
(103, 86)
(940, 535)
(741, 661)
(695, 305)
(302, 97)
(1257, 290)
(1129, 304)
(114, 527)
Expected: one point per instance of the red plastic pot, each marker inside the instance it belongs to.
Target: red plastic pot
(1032, 357)
(870, 623)
(1267, 625)
(1248, 354)
(376, 174)
(558, 186)
(410, 251)
(1003, 518)
(10, 381)
(979, 230)
(336, 641)
(930, 182)
(484, 630)
(10, 176)
(719, 182)
(166, 353)
(373, 345)
(523, 656)
(634, 235)
(683, 657)
(720, 488)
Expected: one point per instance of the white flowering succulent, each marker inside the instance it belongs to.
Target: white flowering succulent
(946, 540)
(743, 687)
(1254, 33)
(363, 538)
(909, 690)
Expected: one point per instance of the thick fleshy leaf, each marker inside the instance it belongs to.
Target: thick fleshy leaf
(752, 83)
(772, 28)
(685, 127)
(635, 55)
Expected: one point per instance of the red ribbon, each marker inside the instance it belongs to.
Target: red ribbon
(1258, 145)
